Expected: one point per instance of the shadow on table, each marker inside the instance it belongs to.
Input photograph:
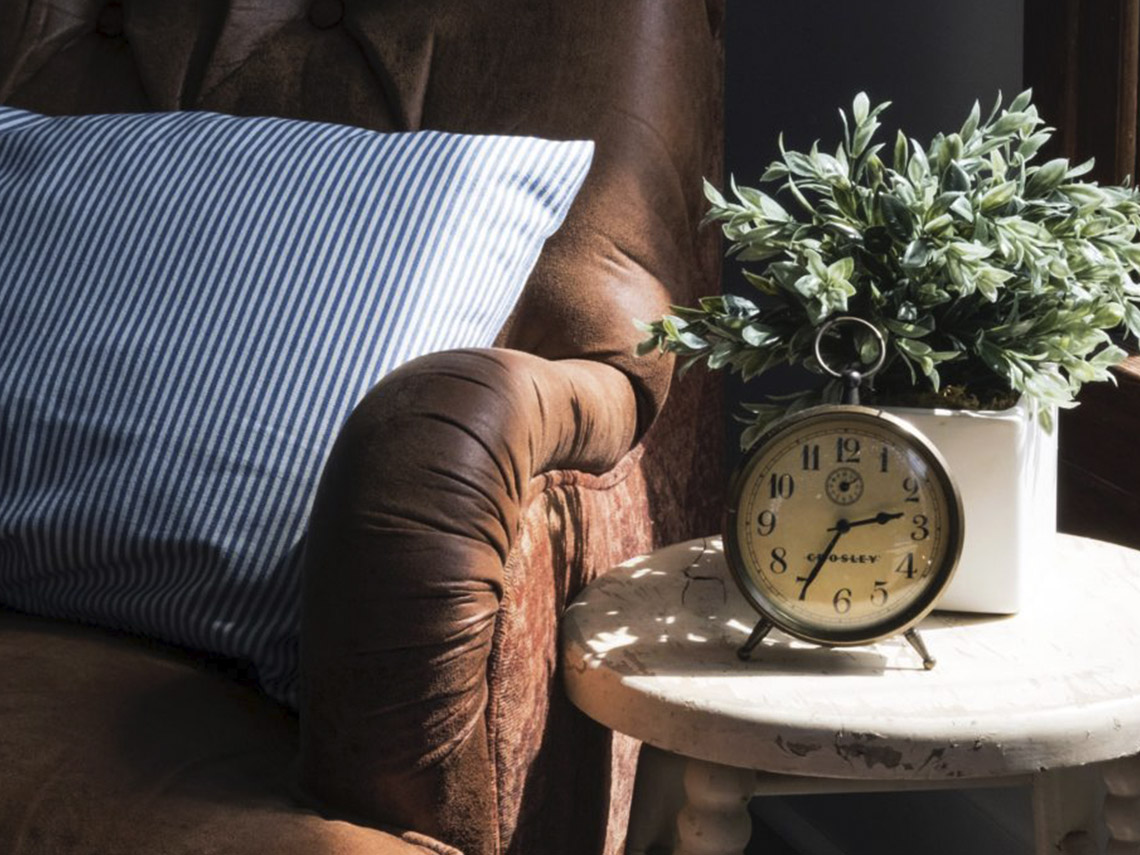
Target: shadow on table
(706, 650)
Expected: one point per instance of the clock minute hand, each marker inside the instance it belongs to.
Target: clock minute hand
(841, 528)
(822, 559)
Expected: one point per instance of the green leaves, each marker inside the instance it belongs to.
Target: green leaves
(997, 196)
(918, 254)
(982, 269)
(1044, 179)
(897, 218)
(825, 289)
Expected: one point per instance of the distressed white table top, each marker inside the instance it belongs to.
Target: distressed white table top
(649, 650)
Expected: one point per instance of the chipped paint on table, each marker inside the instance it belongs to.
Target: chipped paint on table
(650, 650)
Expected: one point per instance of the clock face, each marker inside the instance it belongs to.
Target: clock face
(844, 525)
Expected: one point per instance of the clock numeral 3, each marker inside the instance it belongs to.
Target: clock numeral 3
(921, 530)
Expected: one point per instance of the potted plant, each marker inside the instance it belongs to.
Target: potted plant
(994, 280)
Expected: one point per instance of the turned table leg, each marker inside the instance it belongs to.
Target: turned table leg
(1067, 806)
(714, 820)
(1122, 805)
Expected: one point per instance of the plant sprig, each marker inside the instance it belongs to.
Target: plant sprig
(980, 267)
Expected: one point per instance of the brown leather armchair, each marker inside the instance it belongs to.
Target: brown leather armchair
(471, 494)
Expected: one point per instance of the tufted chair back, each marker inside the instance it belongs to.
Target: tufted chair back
(630, 247)
(640, 77)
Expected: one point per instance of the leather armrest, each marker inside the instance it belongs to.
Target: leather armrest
(415, 517)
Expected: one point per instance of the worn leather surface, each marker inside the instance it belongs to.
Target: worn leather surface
(473, 493)
(406, 576)
(638, 76)
(115, 746)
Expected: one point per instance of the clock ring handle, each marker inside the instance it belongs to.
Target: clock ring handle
(861, 373)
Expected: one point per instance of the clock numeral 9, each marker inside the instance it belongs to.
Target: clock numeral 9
(847, 450)
(779, 562)
(782, 486)
(921, 529)
(765, 523)
(842, 601)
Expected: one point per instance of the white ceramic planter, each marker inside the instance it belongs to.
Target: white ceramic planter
(1006, 469)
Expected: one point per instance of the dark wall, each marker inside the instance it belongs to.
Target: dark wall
(791, 65)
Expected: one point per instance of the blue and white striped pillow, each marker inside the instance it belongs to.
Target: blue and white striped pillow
(190, 306)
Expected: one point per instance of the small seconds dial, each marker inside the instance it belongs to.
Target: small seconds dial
(844, 527)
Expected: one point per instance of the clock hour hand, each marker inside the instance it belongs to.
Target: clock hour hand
(882, 518)
(821, 560)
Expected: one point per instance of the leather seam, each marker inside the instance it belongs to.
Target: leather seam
(541, 484)
(608, 480)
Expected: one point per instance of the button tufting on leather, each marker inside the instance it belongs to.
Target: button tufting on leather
(110, 21)
(324, 14)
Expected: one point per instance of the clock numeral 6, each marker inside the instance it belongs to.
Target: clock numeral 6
(782, 486)
(779, 562)
(765, 523)
(842, 601)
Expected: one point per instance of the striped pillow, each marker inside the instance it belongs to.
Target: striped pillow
(190, 306)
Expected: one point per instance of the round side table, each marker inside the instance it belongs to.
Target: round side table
(650, 650)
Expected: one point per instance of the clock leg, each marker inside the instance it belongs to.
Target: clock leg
(919, 645)
(762, 628)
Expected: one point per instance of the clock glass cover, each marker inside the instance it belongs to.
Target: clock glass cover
(844, 525)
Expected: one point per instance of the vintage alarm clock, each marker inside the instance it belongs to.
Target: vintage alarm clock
(844, 524)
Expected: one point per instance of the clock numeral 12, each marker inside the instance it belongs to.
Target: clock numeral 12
(846, 450)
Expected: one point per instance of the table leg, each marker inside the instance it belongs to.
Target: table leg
(1066, 811)
(658, 796)
(1122, 805)
(714, 820)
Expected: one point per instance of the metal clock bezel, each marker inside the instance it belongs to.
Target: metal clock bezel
(898, 622)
